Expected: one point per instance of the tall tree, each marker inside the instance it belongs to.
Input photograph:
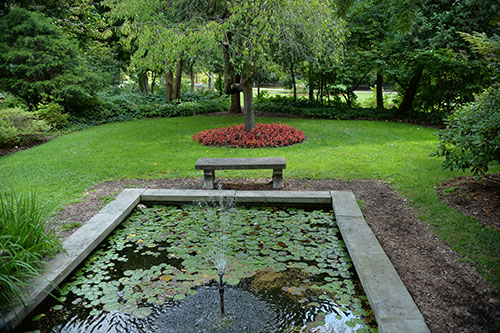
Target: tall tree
(302, 40)
(37, 62)
(433, 66)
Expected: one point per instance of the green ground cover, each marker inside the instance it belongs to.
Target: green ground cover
(62, 169)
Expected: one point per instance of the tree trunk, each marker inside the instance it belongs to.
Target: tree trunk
(294, 84)
(236, 97)
(248, 104)
(311, 83)
(153, 83)
(258, 85)
(191, 74)
(169, 84)
(220, 83)
(410, 92)
(210, 81)
(143, 82)
(178, 79)
(235, 103)
(380, 94)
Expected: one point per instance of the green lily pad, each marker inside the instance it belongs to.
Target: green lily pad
(58, 307)
(111, 306)
(141, 313)
(233, 281)
(38, 317)
(95, 312)
(179, 297)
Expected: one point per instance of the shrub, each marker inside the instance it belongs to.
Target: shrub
(262, 135)
(38, 60)
(53, 114)
(471, 139)
(25, 240)
(305, 108)
(120, 105)
(11, 101)
(18, 126)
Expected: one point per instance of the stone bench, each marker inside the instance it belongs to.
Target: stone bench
(209, 165)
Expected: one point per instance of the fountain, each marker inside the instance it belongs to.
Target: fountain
(287, 271)
(220, 260)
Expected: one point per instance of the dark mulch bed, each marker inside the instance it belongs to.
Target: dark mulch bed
(452, 296)
(474, 196)
(12, 150)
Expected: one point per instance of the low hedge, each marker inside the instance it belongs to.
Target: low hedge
(115, 105)
(307, 109)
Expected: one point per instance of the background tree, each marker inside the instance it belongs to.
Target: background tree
(433, 66)
(38, 62)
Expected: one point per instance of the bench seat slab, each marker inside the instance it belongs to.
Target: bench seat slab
(240, 163)
(209, 165)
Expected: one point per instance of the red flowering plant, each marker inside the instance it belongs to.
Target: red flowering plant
(262, 135)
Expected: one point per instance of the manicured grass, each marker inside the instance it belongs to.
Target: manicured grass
(62, 169)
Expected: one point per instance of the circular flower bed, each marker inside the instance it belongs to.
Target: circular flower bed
(262, 135)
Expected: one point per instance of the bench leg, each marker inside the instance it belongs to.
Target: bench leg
(277, 178)
(208, 179)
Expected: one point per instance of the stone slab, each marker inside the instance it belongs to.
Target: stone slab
(157, 195)
(392, 305)
(358, 236)
(345, 204)
(284, 197)
(76, 248)
(402, 325)
(223, 163)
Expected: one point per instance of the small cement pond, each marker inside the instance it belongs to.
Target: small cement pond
(269, 262)
(284, 270)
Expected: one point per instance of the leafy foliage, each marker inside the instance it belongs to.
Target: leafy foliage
(18, 126)
(53, 113)
(25, 240)
(308, 109)
(262, 135)
(471, 139)
(121, 105)
(433, 51)
(37, 61)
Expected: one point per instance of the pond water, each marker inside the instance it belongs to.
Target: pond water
(284, 270)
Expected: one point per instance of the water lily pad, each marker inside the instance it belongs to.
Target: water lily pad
(38, 317)
(95, 312)
(127, 307)
(111, 306)
(166, 278)
(141, 313)
(233, 281)
(179, 297)
(58, 307)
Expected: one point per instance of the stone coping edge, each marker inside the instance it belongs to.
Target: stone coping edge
(391, 303)
(286, 197)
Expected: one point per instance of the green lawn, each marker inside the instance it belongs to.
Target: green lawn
(62, 169)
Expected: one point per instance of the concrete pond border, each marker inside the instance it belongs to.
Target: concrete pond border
(392, 305)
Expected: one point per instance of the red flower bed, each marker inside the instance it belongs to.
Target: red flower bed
(262, 135)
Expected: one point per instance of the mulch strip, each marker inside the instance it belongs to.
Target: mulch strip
(474, 196)
(451, 295)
